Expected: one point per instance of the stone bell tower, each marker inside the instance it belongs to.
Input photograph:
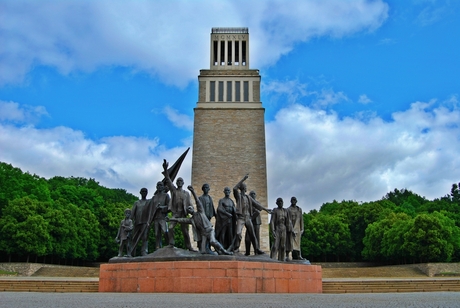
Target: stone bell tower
(229, 127)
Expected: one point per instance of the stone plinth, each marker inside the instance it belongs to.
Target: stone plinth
(231, 276)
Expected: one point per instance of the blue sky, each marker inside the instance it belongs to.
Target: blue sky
(361, 97)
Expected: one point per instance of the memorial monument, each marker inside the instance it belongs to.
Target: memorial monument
(229, 141)
(229, 126)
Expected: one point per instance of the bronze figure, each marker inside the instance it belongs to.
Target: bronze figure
(226, 220)
(202, 225)
(280, 223)
(180, 201)
(243, 208)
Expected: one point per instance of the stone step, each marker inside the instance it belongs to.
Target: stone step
(392, 286)
(329, 287)
(66, 286)
(374, 272)
(67, 271)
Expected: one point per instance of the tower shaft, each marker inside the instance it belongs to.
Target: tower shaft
(229, 126)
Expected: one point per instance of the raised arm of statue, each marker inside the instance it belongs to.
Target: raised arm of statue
(168, 181)
(199, 206)
(236, 192)
(257, 205)
(242, 180)
(165, 168)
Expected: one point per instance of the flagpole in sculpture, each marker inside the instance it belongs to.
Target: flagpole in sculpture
(180, 201)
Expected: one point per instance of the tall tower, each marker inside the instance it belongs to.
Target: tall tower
(229, 127)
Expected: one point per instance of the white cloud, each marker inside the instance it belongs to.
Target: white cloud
(363, 99)
(117, 162)
(292, 91)
(163, 38)
(430, 15)
(328, 97)
(430, 12)
(325, 157)
(178, 119)
(12, 112)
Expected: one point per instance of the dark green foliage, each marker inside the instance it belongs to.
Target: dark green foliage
(62, 218)
(179, 237)
(15, 184)
(401, 227)
(432, 238)
(326, 238)
(382, 240)
(398, 197)
(23, 227)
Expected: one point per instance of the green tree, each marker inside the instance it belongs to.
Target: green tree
(399, 196)
(63, 230)
(359, 217)
(24, 230)
(432, 238)
(15, 184)
(326, 238)
(392, 247)
(455, 193)
(374, 238)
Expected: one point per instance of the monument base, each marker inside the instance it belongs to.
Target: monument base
(230, 276)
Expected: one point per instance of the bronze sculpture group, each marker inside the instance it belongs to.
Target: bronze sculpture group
(286, 223)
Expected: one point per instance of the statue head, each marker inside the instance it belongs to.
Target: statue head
(144, 191)
(279, 202)
(190, 210)
(180, 182)
(293, 200)
(243, 187)
(253, 194)
(205, 188)
(127, 213)
(227, 191)
(160, 186)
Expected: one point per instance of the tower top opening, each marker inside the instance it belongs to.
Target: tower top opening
(229, 48)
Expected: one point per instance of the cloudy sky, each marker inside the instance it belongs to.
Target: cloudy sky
(361, 96)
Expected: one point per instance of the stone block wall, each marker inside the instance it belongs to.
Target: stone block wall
(210, 277)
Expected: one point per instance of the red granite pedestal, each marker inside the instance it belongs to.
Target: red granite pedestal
(210, 277)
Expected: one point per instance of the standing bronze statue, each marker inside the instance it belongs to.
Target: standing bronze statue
(243, 214)
(209, 210)
(281, 225)
(206, 201)
(256, 222)
(226, 220)
(180, 201)
(160, 202)
(202, 225)
(294, 238)
(124, 234)
(141, 213)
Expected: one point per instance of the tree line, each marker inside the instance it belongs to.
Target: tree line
(402, 227)
(59, 219)
(67, 220)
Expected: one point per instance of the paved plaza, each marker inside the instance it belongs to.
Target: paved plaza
(116, 300)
